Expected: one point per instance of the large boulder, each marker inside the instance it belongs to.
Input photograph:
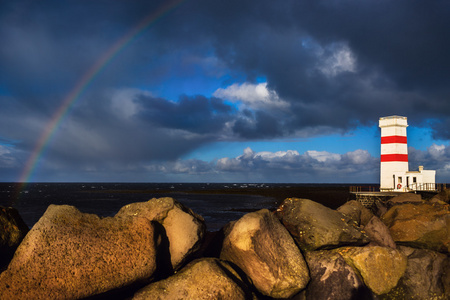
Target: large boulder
(442, 196)
(381, 268)
(12, 231)
(379, 208)
(206, 278)
(260, 245)
(69, 255)
(422, 225)
(378, 233)
(355, 212)
(404, 198)
(315, 226)
(446, 276)
(332, 278)
(424, 275)
(184, 229)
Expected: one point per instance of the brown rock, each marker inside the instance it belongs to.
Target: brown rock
(332, 278)
(378, 233)
(185, 229)
(259, 245)
(423, 277)
(422, 225)
(379, 208)
(69, 254)
(315, 226)
(442, 196)
(446, 276)
(206, 278)
(380, 267)
(356, 212)
(404, 198)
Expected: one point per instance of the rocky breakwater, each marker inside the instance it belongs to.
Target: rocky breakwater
(304, 250)
(73, 255)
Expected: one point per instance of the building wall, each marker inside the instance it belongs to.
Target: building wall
(387, 172)
(394, 151)
(429, 176)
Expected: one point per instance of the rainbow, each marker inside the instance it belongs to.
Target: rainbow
(84, 82)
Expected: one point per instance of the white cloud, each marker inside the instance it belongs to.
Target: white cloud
(284, 155)
(291, 166)
(436, 151)
(323, 156)
(358, 156)
(255, 96)
(335, 59)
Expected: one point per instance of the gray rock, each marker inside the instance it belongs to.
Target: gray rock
(69, 255)
(259, 245)
(424, 275)
(315, 226)
(13, 230)
(378, 233)
(206, 278)
(184, 229)
(332, 278)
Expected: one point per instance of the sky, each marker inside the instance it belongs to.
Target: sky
(220, 91)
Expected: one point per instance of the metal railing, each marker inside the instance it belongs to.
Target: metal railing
(427, 187)
(432, 187)
(359, 189)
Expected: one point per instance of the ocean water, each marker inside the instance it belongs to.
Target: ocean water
(217, 203)
(105, 199)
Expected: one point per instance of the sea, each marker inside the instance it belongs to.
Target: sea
(217, 203)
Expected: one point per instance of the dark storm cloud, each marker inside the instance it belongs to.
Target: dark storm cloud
(332, 65)
(259, 124)
(195, 114)
(133, 127)
(400, 51)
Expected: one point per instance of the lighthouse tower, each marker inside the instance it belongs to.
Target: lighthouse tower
(394, 153)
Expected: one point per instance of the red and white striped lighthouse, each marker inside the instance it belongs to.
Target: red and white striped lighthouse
(394, 153)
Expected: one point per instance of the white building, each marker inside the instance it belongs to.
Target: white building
(394, 170)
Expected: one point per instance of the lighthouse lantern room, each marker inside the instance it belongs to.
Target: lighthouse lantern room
(394, 170)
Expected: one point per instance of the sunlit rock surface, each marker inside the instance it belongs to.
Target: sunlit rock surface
(333, 278)
(380, 267)
(315, 226)
(260, 245)
(356, 212)
(184, 229)
(422, 225)
(206, 278)
(69, 255)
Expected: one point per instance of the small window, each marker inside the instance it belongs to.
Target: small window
(399, 179)
(414, 179)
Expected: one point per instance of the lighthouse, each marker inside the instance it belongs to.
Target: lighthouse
(394, 170)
